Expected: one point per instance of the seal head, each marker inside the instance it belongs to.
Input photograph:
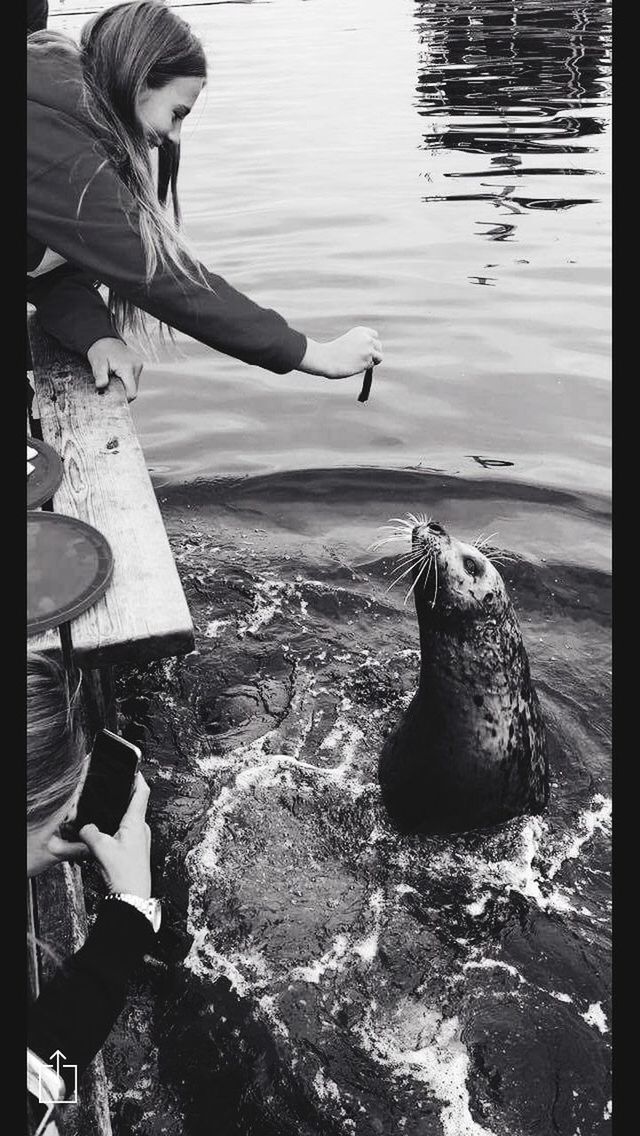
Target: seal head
(471, 749)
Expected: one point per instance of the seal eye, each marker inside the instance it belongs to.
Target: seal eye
(470, 566)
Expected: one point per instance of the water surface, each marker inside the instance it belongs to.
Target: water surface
(441, 172)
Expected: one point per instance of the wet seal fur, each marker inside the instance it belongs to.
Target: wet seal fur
(471, 749)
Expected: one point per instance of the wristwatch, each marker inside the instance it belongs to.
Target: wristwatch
(150, 908)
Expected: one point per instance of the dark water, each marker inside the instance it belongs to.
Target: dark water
(439, 171)
(339, 978)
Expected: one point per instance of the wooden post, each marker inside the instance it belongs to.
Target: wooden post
(32, 953)
(99, 701)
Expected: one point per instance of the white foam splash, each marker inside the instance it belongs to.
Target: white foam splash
(491, 964)
(252, 767)
(270, 594)
(202, 860)
(325, 1087)
(595, 1016)
(442, 1064)
(268, 600)
(368, 948)
(435, 1055)
(596, 818)
(243, 971)
(214, 627)
(267, 1004)
(522, 871)
(330, 961)
(478, 905)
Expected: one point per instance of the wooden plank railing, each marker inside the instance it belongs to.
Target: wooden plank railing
(144, 614)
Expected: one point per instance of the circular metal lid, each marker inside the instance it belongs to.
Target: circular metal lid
(69, 565)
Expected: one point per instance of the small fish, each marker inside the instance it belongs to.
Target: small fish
(366, 385)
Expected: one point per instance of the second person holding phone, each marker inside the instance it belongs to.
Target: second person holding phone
(78, 1006)
(109, 784)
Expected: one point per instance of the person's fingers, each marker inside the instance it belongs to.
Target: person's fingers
(93, 837)
(67, 849)
(137, 808)
(101, 374)
(127, 373)
(137, 371)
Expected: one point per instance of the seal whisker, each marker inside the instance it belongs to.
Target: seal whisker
(482, 540)
(393, 533)
(407, 565)
(402, 575)
(500, 558)
(400, 529)
(428, 561)
(376, 544)
(386, 540)
(405, 562)
(410, 554)
(399, 521)
(416, 553)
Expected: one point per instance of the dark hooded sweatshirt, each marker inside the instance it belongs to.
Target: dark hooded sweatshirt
(78, 207)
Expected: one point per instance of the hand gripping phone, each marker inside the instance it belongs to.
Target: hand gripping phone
(109, 784)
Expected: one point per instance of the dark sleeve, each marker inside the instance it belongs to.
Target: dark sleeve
(77, 1008)
(70, 308)
(79, 207)
(37, 14)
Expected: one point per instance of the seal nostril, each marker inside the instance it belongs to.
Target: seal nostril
(433, 526)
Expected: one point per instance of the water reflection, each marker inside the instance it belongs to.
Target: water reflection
(514, 81)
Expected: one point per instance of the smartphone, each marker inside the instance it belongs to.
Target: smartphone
(109, 784)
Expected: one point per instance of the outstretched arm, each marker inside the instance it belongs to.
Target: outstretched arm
(79, 207)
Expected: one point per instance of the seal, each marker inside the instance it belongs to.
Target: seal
(471, 749)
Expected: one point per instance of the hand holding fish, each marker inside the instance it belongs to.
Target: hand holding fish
(349, 354)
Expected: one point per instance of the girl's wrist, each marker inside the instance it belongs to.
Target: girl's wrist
(314, 358)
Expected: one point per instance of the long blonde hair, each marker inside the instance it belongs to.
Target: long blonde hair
(122, 49)
(55, 740)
